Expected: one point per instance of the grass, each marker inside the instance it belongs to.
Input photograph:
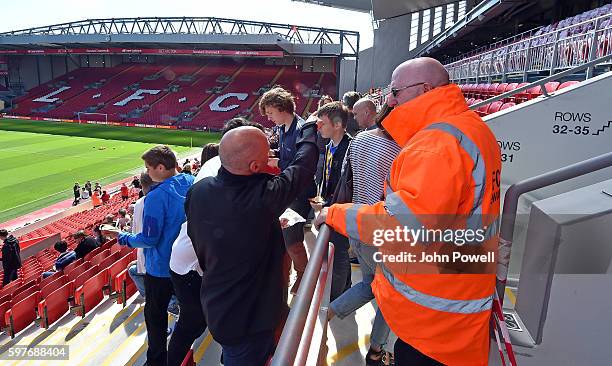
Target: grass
(136, 134)
(41, 160)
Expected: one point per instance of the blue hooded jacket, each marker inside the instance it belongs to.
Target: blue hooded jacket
(164, 213)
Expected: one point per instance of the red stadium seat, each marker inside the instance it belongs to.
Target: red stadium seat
(4, 306)
(108, 261)
(90, 293)
(21, 314)
(507, 105)
(521, 96)
(99, 257)
(501, 88)
(77, 271)
(55, 305)
(23, 294)
(10, 288)
(125, 287)
(116, 268)
(495, 107)
(492, 90)
(52, 286)
(92, 254)
(552, 86)
(80, 280)
(534, 92)
(72, 265)
(568, 84)
(53, 277)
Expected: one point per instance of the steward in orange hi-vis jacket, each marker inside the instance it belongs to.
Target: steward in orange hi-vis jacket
(446, 178)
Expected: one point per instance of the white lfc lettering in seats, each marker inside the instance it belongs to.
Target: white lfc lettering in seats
(47, 98)
(137, 95)
(215, 106)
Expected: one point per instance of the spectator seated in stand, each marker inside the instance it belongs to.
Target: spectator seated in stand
(124, 220)
(85, 244)
(105, 197)
(100, 239)
(65, 257)
(84, 193)
(109, 220)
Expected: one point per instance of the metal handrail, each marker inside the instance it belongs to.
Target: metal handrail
(289, 343)
(543, 180)
(542, 82)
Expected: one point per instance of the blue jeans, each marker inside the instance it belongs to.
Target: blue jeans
(47, 274)
(254, 351)
(138, 279)
(361, 293)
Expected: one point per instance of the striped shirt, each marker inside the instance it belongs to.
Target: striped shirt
(371, 158)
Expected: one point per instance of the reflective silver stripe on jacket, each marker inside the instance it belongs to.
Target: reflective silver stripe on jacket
(438, 303)
(352, 230)
(479, 175)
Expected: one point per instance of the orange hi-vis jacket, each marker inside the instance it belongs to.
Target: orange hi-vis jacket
(449, 166)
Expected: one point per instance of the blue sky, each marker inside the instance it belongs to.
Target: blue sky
(20, 14)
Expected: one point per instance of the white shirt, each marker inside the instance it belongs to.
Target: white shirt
(183, 258)
(209, 169)
(136, 229)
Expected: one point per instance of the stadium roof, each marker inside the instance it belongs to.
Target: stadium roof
(382, 9)
(185, 32)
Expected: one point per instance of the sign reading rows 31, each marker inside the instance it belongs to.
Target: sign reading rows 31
(142, 51)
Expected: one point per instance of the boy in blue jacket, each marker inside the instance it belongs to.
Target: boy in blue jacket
(164, 214)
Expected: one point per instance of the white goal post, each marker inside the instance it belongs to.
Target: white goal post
(83, 116)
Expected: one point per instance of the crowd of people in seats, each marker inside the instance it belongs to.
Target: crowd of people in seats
(214, 248)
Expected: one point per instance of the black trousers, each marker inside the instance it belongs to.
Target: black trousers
(9, 275)
(158, 291)
(406, 355)
(191, 323)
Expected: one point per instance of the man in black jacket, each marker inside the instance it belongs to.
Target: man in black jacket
(332, 122)
(85, 244)
(233, 222)
(11, 257)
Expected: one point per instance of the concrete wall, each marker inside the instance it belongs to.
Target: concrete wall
(347, 76)
(391, 42)
(44, 67)
(27, 72)
(59, 65)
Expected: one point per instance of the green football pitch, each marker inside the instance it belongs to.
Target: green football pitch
(40, 161)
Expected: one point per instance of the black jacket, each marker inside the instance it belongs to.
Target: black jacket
(87, 245)
(233, 222)
(11, 258)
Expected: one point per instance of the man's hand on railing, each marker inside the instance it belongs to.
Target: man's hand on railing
(320, 219)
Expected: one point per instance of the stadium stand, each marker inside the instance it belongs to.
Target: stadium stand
(185, 95)
(476, 93)
(564, 44)
(81, 285)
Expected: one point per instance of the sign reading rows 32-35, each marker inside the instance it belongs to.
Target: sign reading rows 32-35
(579, 124)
